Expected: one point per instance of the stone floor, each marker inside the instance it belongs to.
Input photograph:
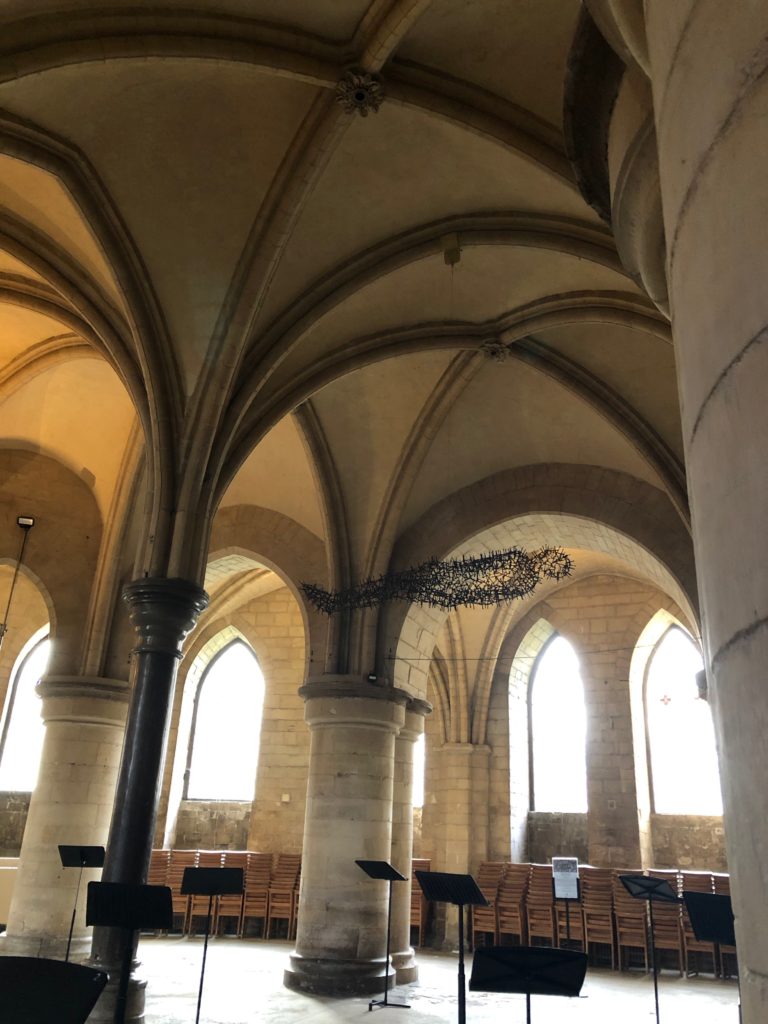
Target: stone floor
(243, 985)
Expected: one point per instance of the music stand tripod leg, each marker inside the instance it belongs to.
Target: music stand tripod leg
(653, 963)
(205, 954)
(385, 1001)
(462, 984)
(74, 912)
(121, 1001)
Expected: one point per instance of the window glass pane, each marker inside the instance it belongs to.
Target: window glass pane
(686, 777)
(225, 745)
(559, 731)
(24, 738)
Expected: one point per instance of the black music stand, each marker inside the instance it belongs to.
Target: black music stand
(654, 890)
(79, 857)
(39, 991)
(711, 918)
(129, 907)
(462, 891)
(382, 870)
(528, 970)
(210, 882)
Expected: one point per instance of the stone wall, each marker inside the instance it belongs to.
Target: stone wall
(688, 842)
(557, 835)
(13, 817)
(212, 825)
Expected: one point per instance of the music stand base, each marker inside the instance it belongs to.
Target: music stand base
(386, 1004)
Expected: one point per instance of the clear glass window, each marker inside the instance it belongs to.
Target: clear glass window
(226, 727)
(681, 737)
(23, 732)
(558, 730)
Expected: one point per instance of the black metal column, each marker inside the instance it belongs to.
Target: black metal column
(163, 611)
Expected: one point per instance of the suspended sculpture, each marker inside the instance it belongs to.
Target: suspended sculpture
(480, 581)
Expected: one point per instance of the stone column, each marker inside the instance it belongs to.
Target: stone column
(710, 89)
(463, 835)
(613, 828)
(163, 611)
(341, 940)
(71, 804)
(403, 959)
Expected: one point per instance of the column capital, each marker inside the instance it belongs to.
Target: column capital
(163, 611)
(83, 699)
(340, 686)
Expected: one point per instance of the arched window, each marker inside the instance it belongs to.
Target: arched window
(22, 732)
(558, 722)
(226, 727)
(681, 740)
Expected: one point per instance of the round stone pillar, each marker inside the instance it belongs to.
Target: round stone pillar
(163, 611)
(341, 939)
(403, 958)
(71, 805)
(710, 90)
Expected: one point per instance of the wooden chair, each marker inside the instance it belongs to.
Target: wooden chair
(631, 918)
(569, 919)
(597, 909)
(258, 871)
(693, 949)
(485, 919)
(511, 904)
(177, 862)
(231, 906)
(667, 930)
(728, 968)
(157, 873)
(419, 905)
(283, 890)
(539, 906)
(198, 905)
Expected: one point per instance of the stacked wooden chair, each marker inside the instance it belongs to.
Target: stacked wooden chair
(157, 873)
(258, 872)
(667, 930)
(177, 862)
(597, 910)
(230, 907)
(419, 905)
(631, 917)
(485, 919)
(198, 905)
(510, 905)
(284, 893)
(569, 925)
(695, 951)
(539, 906)
(726, 955)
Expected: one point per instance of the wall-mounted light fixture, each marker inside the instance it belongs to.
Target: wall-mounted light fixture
(25, 523)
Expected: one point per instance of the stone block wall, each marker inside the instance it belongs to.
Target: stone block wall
(14, 808)
(212, 825)
(557, 835)
(688, 842)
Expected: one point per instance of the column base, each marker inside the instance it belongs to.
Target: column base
(405, 967)
(47, 947)
(104, 1010)
(322, 976)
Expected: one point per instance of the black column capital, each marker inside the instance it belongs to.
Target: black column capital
(163, 611)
